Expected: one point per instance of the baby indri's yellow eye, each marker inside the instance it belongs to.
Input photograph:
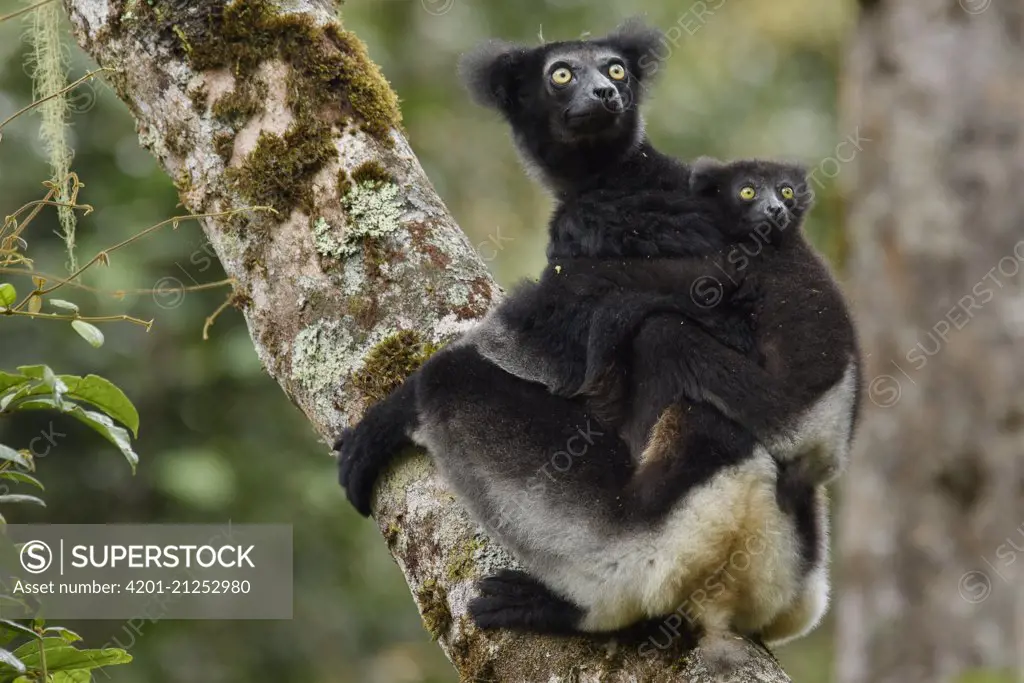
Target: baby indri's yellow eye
(748, 193)
(561, 76)
(786, 192)
(617, 72)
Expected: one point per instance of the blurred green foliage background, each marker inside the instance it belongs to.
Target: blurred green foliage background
(219, 440)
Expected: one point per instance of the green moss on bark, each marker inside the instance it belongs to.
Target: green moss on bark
(433, 599)
(329, 66)
(390, 362)
(280, 170)
(372, 173)
(463, 559)
(224, 144)
(344, 183)
(241, 104)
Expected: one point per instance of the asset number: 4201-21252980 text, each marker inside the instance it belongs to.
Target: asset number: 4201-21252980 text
(198, 586)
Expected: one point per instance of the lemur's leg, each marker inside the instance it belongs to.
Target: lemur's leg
(367, 449)
(809, 507)
(619, 318)
(516, 601)
(804, 614)
(682, 361)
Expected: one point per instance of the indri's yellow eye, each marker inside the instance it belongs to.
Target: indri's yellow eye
(617, 72)
(786, 192)
(561, 76)
(748, 193)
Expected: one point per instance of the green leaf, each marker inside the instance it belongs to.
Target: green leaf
(60, 656)
(66, 305)
(45, 383)
(76, 676)
(35, 371)
(93, 389)
(8, 294)
(11, 455)
(30, 387)
(88, 332)
(104, 395)
(97, 421)
(22, 478)
(8, 662)
(66, 634)
(41, 379)
(20, 629)
(16, 498)
(30, 650)
(8, 380)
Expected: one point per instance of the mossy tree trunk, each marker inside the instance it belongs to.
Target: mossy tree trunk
(930, 585)
(354, 279)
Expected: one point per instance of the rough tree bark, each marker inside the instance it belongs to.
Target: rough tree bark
(929, 584)
(351, 283)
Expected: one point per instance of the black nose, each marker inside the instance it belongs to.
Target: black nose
(776, 210)
(605, 94)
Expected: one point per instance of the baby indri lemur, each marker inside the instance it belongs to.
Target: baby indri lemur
(800, 393)
(609, 541)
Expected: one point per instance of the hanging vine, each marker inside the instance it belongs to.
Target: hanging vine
(47, 64)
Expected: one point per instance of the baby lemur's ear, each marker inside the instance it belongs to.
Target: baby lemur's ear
(704, 175)
(491, 73)
(639, 45)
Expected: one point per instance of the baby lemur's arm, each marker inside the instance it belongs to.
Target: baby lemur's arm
(632, 289)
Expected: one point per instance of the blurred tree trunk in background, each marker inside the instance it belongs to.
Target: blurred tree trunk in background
(929, 581)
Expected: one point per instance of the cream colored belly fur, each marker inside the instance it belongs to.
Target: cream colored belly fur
(726, 559)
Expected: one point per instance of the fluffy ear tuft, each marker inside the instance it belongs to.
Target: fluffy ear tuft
(488, 72)
(704, 175)
(639, 43)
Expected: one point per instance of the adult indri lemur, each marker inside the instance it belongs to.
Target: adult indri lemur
(611, 541)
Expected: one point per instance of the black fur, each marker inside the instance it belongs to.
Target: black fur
(577, 130)
(516, 601)
(804, 335)
(617, 198)
(384, 429)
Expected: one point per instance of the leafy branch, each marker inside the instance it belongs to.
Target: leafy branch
(48, 654)
(12, 246)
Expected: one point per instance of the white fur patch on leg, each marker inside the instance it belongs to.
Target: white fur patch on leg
(821, 437)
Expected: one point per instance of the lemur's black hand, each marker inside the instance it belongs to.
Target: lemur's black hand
(356, 472)
(366, 450)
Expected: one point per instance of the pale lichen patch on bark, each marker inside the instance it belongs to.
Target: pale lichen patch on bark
(327, 242)
(321, 358)
(375, 212)
(95, 15)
